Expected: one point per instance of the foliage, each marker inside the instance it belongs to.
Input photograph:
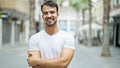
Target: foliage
(79, 4)
(59, 1)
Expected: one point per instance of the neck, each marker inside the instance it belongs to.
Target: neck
(51, 30)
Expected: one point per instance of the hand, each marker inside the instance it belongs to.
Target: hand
(32, 59)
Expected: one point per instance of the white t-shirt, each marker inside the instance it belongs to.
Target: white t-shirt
(51, 46)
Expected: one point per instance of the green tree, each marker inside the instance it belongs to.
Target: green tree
(83, 5)
(31, 18)
(90, 21)
(79, 5)
(76, 5)
(59, 2)
(106, 9)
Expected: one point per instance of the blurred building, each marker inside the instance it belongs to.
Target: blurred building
(115, 21)
(67, 19)
(14, 15)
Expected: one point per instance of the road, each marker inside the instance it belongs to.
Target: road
(85, 57)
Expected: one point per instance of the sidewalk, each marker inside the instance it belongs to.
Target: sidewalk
(13, 56)
(85, 57)
(90, 57)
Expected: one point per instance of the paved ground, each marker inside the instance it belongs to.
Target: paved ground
(90, 57)
(85, 57)
(13, 57)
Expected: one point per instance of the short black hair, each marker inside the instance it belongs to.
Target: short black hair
(50, 3)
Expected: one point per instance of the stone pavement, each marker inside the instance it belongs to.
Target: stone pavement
(85, 57)
(90, 57)
(13, 56)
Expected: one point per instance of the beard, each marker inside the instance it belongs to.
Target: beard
(52, 23)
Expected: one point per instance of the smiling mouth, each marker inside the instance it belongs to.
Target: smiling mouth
(50, 20)
(51, 23)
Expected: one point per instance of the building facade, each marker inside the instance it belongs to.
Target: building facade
(114, 21)
(14, 16)
(115, 16)
(67, 19)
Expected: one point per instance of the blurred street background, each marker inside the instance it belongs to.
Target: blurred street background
(85, 57)
(95, 25)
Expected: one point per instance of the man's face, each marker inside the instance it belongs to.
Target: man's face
(49, 15)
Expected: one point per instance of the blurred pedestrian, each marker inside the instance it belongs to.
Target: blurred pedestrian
(51, 47)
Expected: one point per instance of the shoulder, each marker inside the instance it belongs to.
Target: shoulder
(37, 35)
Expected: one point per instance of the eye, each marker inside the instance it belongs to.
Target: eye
(52, 12)
(45, 13)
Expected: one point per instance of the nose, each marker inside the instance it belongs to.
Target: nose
(49, 15)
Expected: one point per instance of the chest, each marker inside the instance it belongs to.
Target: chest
(51, 46)
(51, 43)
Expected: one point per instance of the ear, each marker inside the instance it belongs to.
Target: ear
(57, 13)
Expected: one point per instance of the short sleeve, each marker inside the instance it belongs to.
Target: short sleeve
(69, 42)
(33, 44)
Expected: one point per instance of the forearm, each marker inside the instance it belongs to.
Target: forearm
(37, 66)
(53, 63)
(61, 62)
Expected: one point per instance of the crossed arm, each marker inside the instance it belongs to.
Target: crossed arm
(35, 61)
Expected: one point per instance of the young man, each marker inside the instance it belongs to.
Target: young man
(52, 47)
